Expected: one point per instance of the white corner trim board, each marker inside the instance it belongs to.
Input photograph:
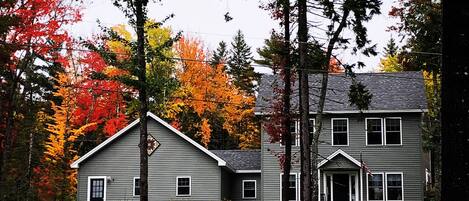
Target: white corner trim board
(76, 164)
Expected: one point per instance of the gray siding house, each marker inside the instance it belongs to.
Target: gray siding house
(363, 155)
(179, 169)
(372, 155)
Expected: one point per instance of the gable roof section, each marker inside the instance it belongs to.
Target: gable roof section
(333, 155)
(241, 161)
(392, 92)
(123, 131)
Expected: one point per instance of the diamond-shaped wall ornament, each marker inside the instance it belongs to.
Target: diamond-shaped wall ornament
(153, 144)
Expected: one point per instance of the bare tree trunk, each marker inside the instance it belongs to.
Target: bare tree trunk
(322, 99)
(142, 96)
(286, 136)
(306, 187)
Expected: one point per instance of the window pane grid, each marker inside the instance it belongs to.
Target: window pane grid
(249, 189)
(339, 129)
(393, 131)
(374, 131)
(183, 186)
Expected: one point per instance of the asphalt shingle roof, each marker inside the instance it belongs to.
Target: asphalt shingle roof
(241, 159)
(391, 91)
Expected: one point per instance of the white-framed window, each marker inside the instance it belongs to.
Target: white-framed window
(293, 187)
(383, 131)
(97, 188)
(394, 186)
(136, 186)
(340, 131)
(393, 131)
(374, 131)
(249, 189)
(375, 190)
(294, 132)
(183, 186)
(312, 128)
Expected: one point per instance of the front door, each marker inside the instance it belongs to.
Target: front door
(340, 186)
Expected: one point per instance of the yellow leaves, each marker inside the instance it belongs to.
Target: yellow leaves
(208, 91)
(390, 64)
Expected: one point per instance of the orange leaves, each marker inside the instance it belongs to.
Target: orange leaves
(209, 92)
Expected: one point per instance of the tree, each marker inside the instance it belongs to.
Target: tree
(454, 107)
(220, 56)
(239, 65)
(420, 24)
(341, 15)
(31, 40)
(392, 60)
(54, 179)
(206, 94)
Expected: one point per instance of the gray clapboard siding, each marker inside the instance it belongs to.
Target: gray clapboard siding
(406, 158)
(175, 157)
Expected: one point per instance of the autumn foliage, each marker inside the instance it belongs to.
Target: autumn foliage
(208, 91)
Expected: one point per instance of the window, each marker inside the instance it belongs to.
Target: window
(183, 187)
(393, 131)
(311, 127)
(249, 189)
(294, 131)
(375, 186)
(394, 186)
(136, 186)
(339, 132)
(374, 131)
(97, 188)
(292, 187)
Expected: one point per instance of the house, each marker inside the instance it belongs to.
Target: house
(179, 169)
(363, 155)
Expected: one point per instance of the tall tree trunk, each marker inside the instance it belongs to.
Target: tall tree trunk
(142, 96)
(322, 100)
(286, 135)
(454, 104)
(305, 145)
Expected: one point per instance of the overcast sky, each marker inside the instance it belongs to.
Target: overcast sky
(205, 19)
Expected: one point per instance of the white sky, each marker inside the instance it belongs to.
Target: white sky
(205, 19)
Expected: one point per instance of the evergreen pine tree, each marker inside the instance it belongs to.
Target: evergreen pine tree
(391, 48)
(220, 55)
(239, 65)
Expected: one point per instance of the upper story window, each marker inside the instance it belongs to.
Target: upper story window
(249, 189)
(183, 186)
(393, 131)
(136, 186)
(376, 187)
(385, 131)
(374, 131)
(339, 131)
(295, 131)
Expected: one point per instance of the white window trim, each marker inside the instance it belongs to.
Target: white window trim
(402, 184)
(382, 131)
(190, 186)
(133, 187)
(332, 132)
(255, 189)
(297, 134)
(384, 187)
(400, 130)
(297, 186)
(88, 198)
